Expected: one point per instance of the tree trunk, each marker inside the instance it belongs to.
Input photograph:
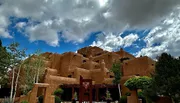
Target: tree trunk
(119, 88)
(37, 78)
(34, 78)
(12, 85)
(17, 78)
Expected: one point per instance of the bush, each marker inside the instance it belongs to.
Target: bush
(57, 99)
(40, 99)
(24, 101)
(137, 82)
(141, 96)
(58, 92)
(123, 99)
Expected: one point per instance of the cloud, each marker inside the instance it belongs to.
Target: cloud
(4, 33)
(44, 33)
(164, 37)
(78, 18)
(111, 41)
(3, 27)
(141, 13)
(20, 24)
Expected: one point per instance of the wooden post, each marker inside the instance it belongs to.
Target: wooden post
(90, 87)
(97, 94)
(80, 90)
(73, 93)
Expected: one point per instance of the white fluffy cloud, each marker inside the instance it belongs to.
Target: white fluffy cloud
(164, 38)
(78, 18)
(111, 41)
(3, 26)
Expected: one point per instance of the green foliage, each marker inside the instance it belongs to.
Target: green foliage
(137, 82)
(142, 96)
(108, 95)
(123, 99)
(167, 76)
(16, 54)
(24, 102)
(57, 99)
(58, 92)
(38, 64)
(150, 92)
(4, 63)
(75, 96)
(116, 69)
(41, 98)
(27, 80)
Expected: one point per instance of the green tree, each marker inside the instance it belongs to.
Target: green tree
(26, 80)
(116, 69)
(33, 70)
(4, 63)
(38, 65)
(167, 76)
(16, 60)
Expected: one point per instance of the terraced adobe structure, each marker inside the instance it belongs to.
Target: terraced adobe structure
(92, 63)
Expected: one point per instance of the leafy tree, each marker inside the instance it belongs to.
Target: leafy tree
(38, 65)
(26, 80)
(4, 63)
(116, 69)
(167, 76)
(16, 61)
(145, 84)
(137, 82)
(33, 71)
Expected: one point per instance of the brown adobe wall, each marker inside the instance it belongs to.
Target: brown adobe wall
(141, 66)
(124, 54)
(108, 58)
(69, 61)
(55, 60)
(87, 51)
(85, 65)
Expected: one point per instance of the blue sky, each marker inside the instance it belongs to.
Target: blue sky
(144, 28)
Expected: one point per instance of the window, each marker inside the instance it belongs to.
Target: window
(84, 61)
(111, 76)
(84, 55)
(97, 61)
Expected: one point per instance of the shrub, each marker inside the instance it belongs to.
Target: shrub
(58, 92)
(24, 101)
(108, 95)
(123, 99)
(57, 99)
(137, 82)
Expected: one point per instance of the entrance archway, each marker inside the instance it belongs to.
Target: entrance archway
(85, 90)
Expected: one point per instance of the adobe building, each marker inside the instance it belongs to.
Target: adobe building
(64, 70)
